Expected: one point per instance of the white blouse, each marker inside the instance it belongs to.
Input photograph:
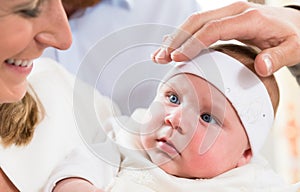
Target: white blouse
(68, 119)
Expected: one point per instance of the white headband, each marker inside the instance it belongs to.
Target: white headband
(242, 88)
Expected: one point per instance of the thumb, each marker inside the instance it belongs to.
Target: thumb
(270, 60)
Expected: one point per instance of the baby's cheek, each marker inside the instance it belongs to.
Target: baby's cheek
(152, 122)
(153, 119)
(148, 142)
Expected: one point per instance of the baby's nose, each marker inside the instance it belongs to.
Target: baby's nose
(173, 120)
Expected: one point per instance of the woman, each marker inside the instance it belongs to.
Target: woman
(27, 28)
(38, 127)
(24, 36)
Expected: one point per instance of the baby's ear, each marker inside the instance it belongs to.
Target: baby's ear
(245, 158)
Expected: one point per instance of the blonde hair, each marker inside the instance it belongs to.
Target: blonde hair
(19, 120)
(246, 55)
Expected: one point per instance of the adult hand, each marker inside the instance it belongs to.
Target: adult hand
(275, 30)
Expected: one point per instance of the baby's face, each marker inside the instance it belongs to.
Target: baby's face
(192, 131)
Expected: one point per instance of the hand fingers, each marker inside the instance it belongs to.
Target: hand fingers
(272, 59)
(233, 27)
(186, 52)
(191, 48)
(161, 56)
(195, 22)
(153, 55)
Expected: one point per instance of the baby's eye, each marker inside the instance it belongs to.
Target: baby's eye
(174, 99)
(208, 118)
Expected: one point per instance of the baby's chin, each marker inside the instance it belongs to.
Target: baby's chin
(182, 173)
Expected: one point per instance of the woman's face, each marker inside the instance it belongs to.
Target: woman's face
(27, 27)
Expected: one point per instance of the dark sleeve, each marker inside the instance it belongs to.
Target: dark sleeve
(293, 6)
(295, 70)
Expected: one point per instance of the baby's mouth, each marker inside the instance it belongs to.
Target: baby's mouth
(169, 146)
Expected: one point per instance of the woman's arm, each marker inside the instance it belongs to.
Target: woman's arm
(5, 184)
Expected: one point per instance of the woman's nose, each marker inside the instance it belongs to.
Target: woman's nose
(55, 31)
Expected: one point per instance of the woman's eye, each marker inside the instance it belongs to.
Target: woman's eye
(208, 118)
(30, 12)
(174, 99)
(33, 10)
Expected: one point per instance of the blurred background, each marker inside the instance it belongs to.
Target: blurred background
(282, 149)
(286, 132)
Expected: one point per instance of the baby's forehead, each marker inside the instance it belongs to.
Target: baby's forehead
(186, 81)
(190, 85)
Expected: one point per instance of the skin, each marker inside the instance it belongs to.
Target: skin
(24, 37)
(27, 28)
(75, 185)
(5, 184)
(275, 30)
(194, 129)
(195, 142)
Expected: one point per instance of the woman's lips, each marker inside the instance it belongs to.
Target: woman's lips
(24, 70)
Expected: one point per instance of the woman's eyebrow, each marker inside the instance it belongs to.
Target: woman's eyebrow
(30, 3)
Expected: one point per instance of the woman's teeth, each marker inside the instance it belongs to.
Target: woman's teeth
(19, 62)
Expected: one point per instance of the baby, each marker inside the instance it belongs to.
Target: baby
(203, 131)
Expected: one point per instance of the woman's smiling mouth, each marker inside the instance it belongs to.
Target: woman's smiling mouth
(19, 62)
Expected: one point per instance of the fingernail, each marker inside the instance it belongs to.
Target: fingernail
(152, 56)
(161, 54)
(268, 63)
